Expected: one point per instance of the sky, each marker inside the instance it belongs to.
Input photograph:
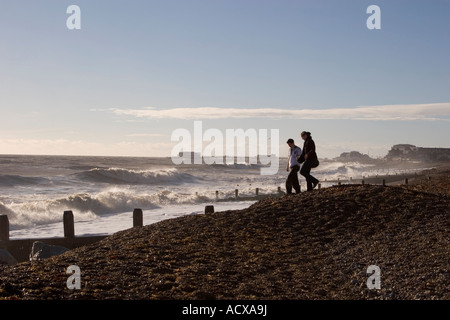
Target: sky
(138, 70)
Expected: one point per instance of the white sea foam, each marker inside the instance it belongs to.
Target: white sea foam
(340, 170)
(88, 206)
(108, 224)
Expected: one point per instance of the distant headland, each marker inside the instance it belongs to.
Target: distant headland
(401, 152)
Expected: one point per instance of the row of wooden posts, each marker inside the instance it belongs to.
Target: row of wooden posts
(363, 182)
(138, 220)
(68, 224)
(383, 182)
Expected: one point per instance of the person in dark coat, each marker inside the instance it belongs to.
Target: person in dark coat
(310, 160)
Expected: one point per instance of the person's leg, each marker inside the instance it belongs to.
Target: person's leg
(314, 181)
(295, 182)
(305, 171)
(289, 183)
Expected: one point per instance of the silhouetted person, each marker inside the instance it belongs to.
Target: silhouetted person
(311, 161)
(293, 166)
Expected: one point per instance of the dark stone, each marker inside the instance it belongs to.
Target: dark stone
(41, 250)
(7, 258)
(209, 209)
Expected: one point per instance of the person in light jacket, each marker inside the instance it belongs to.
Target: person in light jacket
(293, 166)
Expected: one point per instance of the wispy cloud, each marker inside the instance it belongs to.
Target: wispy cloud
(399, 112)
(145, 135)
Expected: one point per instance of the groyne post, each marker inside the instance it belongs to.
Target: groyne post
(68, 224)
(209, 209)
(236, 193)
(384, 182)
(257, 191)
(4, 227)
(406, 181)
(138, 218)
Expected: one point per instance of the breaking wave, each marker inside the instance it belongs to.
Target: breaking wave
(89, 206)
(126, 176)
(335, 170)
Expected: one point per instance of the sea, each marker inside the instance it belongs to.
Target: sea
(102, 192)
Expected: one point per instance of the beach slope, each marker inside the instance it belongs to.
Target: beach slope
(316, 245)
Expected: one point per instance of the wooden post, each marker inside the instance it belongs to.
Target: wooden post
(236, 193)
(4, 227)
(257, 191)
(217, 194)
(362, 182)
(68, 223)
(319, 186)
(209, 209)
(384, 182)
(138, 218)
(406, 181)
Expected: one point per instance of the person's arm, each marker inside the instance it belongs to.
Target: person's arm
(303, 151)
(298, 153)
(311, 146)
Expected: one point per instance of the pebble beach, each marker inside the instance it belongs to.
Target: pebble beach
(314, 245)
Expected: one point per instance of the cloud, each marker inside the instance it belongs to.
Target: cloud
(145, 135)
(399, 112)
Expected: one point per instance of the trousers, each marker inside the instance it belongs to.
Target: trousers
(292, 180)
(306, 172)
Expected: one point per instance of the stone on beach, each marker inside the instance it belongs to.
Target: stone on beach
(7, 258)
(41, 250)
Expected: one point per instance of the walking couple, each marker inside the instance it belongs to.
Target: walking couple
(297, 156)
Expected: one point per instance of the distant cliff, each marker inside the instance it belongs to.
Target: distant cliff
(411, 152)
(407, 152)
